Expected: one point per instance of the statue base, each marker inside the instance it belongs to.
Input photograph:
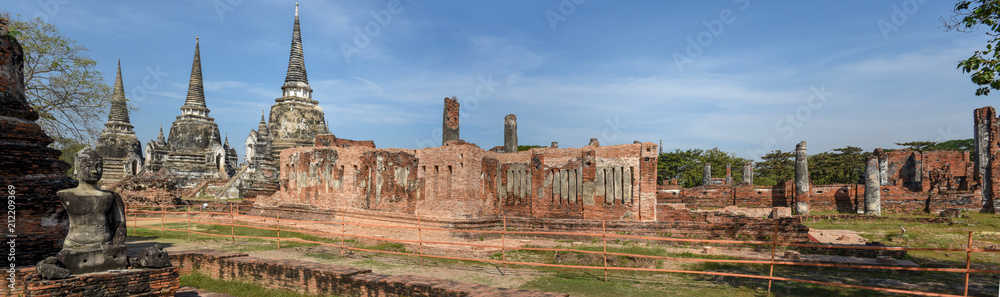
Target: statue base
(132, 282)
(100, 260)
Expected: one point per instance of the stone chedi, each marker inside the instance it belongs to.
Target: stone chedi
(295, 118)
(193, 149)
(32, 172)
(118, 146)
(96, 238)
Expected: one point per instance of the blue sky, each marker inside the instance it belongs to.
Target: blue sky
(747, 76)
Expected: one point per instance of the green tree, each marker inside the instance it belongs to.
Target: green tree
(687, 166)
(840, 166)
(775, 167)
(983, 64)
(681, 165)
(60, 82)
(950, 145)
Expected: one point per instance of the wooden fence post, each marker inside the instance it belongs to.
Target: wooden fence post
(503, 238)
(604, 237)
(420, 238)
(968, 263)
(342, 228)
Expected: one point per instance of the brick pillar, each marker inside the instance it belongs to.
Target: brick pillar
(510, 134)
(706, 174)
(873, 188)
(801, 179)
(647, 182)
(555, 144)
(449, 124)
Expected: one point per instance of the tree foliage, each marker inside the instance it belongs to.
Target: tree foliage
(970, 15)
(60, 81)
(950, 145)
(839, 166)
(687, 165)
(774, 168)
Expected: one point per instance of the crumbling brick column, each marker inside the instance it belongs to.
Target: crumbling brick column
(873, 188)
(748, 173)
(449, 125)
(30, 171)
(706, 174)
(555, 144)
(801, 179)
(510, 134)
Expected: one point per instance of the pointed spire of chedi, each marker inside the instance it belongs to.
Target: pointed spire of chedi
(195, 102)
(119, 109)
(160, 139)
(296, 80)
(118, 120)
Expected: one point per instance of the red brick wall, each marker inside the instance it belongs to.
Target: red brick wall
(135, 282)
(460, 180)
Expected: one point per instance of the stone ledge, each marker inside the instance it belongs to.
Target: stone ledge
(316, 278)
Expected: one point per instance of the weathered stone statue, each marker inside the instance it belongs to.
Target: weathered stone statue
(96, 239)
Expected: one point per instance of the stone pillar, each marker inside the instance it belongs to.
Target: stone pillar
(555, 144)
(873, 188)
(706, 176)
(510, 134)
(594, 142)
(984, 121)
(729, 174)
(449, 124)
(30, 171)
(748, 173)
(801, 180)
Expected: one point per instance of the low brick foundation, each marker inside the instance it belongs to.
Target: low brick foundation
(135, 282)
(315, 278)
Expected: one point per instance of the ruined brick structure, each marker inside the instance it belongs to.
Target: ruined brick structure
(32, 172)
(118, 145)
(194, 149)
(907, 181)
(461, 180)
(449, 124)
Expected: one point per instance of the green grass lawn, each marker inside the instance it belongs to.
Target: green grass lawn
(590, 282)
